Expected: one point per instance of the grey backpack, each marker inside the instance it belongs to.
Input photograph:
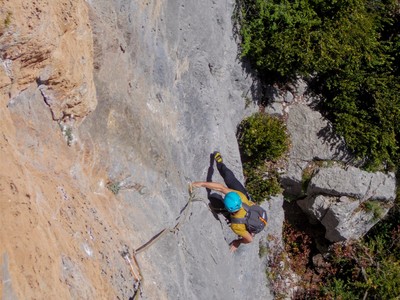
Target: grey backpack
(255, 219)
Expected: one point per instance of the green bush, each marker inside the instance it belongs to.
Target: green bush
(301, 37)
(277, 34)
(375, 208)
(349, 50)
(262, 137)
(259, 184)
(365, 110)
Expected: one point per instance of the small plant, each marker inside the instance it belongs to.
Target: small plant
(6, 23)
(308, 172)
(114, 187)
(247, 100)
(262, 250)
(327, 163)
(7, 20)
(67, 133)
(374, 207)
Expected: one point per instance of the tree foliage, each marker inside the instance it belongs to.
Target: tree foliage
(349, 50)
(261, 137)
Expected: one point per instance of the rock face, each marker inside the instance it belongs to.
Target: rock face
(348, 202)
(48, 44)
(311, 139)
(59, 239)
(353, 182)
(170, 91)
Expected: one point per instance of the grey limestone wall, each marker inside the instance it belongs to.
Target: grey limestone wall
(171, 91)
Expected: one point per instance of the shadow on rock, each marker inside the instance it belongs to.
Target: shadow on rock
(216, 203)
(299, 220)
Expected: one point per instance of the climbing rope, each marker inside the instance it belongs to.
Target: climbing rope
(180, 220)
(135, 265)
(183, 212)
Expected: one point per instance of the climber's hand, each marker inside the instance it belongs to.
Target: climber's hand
(234, 245)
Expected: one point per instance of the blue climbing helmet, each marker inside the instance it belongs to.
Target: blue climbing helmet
(232, 202)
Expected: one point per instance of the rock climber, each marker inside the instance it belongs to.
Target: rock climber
(235, 195)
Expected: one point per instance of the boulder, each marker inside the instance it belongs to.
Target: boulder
(353, 182)
(316, 208)
(311, 139)
(345, 219)
(337, 198)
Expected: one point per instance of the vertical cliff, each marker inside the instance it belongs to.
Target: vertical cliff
(48, 44)
(58, 237)
(169, 90)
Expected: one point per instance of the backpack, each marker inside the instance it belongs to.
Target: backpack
(255, 219)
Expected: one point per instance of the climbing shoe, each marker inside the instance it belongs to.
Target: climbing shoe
(217, 157)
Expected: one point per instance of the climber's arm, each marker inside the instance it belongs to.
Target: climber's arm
(215, 186)
(246, 238)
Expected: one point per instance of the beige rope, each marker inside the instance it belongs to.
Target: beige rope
(181, 219)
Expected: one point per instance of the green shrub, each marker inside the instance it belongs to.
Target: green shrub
(365, 110)
(277, 35)
(306, 36)
(262, 249)
(307, 176)
(262, 137)
(259, 184)
(349, 50)
(374, 207)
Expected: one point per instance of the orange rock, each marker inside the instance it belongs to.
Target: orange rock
(48, 43)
